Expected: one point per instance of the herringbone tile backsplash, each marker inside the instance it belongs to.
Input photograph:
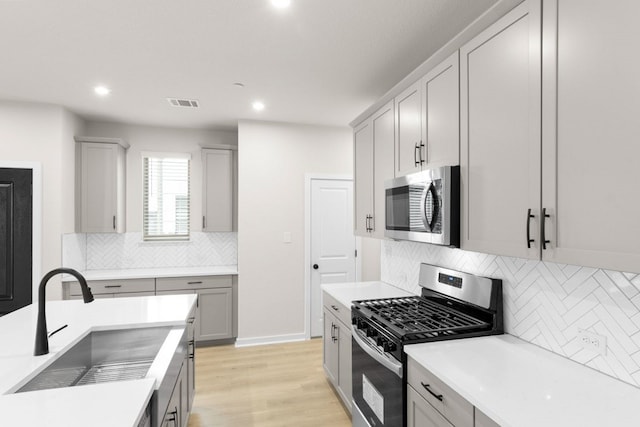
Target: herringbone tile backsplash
(545, 303)
(128, 250)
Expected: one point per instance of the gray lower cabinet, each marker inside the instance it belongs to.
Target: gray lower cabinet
(420, 413)
(337, 348)
(176, 416)
(483, 420)
(431, 402)
(216, 317)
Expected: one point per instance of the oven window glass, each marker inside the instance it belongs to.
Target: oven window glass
(397, 208)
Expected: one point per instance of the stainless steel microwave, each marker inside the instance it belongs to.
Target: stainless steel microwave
(424, 206)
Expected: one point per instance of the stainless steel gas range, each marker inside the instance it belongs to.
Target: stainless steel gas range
(452, 305)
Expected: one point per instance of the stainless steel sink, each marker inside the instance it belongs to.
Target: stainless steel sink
(103, 356)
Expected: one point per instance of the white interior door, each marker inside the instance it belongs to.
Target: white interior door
(332, 241)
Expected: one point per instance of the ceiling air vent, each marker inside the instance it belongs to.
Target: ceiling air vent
(189, 103)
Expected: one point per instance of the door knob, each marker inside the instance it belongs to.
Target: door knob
(315, 266)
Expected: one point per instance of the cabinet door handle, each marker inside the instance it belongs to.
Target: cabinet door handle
(416, 153)
(112, 286)
(420, 147)
(544, 217)
(529, 239)
(203, 222)
(335, 308)
(114, 222)
(428, 388)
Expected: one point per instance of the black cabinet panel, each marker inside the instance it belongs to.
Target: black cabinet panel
(15, 239)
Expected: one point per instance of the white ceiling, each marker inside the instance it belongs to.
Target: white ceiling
(320, 61)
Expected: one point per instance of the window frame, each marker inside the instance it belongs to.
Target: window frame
(145, 215)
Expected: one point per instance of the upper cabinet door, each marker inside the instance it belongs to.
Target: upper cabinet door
(441, 113)
(363, 174)
(101, 187)
(410, 153)
(590, 133)
(382, 123)
(217, 204)
(500, 135)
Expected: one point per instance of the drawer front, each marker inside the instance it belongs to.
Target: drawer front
(454, 407)
(194, 282)
(115, 286)
(420, 413)
(338, 309)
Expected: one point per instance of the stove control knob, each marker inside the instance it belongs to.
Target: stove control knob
(380, 341)
(389, 346)
(371, 332)
(354, 321)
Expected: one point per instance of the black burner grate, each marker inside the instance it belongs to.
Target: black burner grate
(416, 315)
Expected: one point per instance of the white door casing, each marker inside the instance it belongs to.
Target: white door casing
(332, 243)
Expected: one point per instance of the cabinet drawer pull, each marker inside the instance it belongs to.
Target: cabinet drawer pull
(335, 308)
(112, 286)
(428, 388)
(529, 239)
(191, 320)
(195, 283)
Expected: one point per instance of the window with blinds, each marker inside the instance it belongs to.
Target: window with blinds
(165, 197)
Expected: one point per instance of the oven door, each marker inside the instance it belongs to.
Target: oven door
(377, 385)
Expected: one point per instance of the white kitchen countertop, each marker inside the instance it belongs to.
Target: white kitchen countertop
(347, 292)
(518, 384)
(146, 273)
(105, 405)
(18, 365)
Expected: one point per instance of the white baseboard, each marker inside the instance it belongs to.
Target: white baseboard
(275, 339)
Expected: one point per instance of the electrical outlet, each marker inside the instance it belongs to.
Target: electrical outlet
(592, 341)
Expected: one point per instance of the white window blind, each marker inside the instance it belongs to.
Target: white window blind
(166, 197)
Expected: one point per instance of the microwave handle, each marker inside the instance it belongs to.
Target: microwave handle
(435, 208)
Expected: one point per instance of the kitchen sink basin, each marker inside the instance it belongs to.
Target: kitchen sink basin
(103, 356)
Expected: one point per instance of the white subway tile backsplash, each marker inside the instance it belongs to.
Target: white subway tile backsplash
(128, 250)
(544, 303)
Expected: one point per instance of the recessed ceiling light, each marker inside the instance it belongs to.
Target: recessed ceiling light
(258, 105)
(281, 4)
(102, 90)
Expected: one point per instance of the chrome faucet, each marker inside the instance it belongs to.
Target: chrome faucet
(42, 340)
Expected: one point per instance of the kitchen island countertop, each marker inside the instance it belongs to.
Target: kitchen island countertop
(108, 404)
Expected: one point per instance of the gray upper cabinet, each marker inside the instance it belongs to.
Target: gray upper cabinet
(218, 172)
(440, 90)
(590, 132)
(363, 173)
(409, 146)
(373, 158)
(100, 185)
(500, 144)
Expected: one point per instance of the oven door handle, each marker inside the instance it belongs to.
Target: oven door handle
(393, 366)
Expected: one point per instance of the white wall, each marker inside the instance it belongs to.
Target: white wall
(42, 133)
(155, 138)
(273, 161)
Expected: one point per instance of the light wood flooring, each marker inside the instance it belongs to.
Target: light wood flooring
(276, 385)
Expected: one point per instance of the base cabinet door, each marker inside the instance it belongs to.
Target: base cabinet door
(215, 314)
(344, 361)
(421, 414)
(330, 348)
